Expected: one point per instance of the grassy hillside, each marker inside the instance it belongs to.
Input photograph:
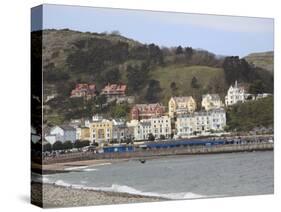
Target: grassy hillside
(152, 74)
(263, 60)
(182, 76)
(246, 116)
(57, 44)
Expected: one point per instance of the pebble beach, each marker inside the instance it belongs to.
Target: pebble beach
(59, 196)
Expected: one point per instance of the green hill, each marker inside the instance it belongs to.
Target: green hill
(152, 74)
(263, 60)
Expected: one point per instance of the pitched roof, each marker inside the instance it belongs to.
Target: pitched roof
(214, 97)
(67, 128)
(182, 98)
(147, 107)
(145, 123)
(114, 88)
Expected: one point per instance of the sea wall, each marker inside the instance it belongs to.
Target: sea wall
(160, 152)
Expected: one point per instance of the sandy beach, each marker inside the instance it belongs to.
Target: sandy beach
(71, 166)
(59, 196)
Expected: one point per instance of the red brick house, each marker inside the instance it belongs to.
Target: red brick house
(145, 111)
(84, 90)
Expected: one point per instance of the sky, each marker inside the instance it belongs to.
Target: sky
(222, 35)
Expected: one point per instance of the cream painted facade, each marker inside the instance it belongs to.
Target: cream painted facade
(181, 105)
(211, 101)
(83, 133)
(101, 131)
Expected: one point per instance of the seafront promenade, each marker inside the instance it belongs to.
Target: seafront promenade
(141, 153)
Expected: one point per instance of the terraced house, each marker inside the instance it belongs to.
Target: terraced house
(142, 130)
(120, 131)
(146, 111)
(181, 105)
(161, 127)
(200, 123)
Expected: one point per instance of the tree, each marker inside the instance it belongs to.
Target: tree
(151, 137)
(57, 145)
(188, 52)
(101, 100)
(47, 147)
(174, 88)
(153, 93)
(86, 142)
(237, 69)
(120, 110)
(137, 76)
(95, 144)
(257, 87)
(162, 137)
(179, 50)
(77, 144)
(111, 75)
(155, 54)
(90, 55)
(67, 145)
(80, 144)
(194, 83)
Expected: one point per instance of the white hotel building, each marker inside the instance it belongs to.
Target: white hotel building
(161, 126)
(156, 126)
(200, 123)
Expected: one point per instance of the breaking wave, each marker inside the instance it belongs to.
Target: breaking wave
(75, 168)
(89, 170)
(86, 168)
(131, 190)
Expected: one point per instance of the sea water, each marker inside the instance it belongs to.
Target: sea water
(181, 177)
